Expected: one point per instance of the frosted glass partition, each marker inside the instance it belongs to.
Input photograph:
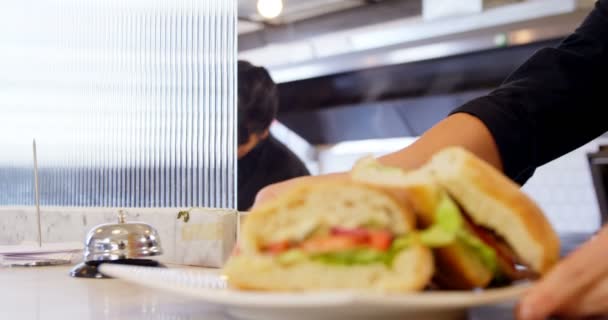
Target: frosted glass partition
(131, 102)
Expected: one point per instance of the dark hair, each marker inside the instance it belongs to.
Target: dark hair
(258, 100)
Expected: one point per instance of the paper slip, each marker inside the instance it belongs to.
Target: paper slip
(32, 248)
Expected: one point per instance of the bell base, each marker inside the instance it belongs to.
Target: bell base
(90, 270)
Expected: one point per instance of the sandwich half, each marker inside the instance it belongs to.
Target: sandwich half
(331, 236)
(489, 231)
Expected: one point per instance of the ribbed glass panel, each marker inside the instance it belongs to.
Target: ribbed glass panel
(131, 102)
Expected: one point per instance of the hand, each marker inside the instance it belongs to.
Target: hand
(576, 287)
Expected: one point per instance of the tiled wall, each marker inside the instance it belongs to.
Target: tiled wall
(205, 239)
(564, 190)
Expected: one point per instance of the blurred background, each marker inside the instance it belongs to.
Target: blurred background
(368, 77)
(133, 103)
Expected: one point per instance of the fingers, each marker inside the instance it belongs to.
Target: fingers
(569, 279)
(593, 303)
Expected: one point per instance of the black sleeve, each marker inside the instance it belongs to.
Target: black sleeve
(553, 103)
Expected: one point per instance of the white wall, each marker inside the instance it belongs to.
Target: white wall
(564, 190)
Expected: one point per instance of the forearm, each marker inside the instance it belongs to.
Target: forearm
(457, 130)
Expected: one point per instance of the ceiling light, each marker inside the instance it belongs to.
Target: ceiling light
(270, 9)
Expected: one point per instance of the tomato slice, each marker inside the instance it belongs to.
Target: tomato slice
(380, 240)
(330, 244)
(277, 248)
(339, 239)
(360, 234)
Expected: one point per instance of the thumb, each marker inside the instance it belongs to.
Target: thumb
(530, 308)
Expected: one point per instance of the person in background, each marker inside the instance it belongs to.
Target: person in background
(262, 159)
(552, 104)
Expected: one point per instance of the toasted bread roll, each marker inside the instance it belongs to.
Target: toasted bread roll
(495, 202)
(496, 211)
(411, 271)
(307, 215)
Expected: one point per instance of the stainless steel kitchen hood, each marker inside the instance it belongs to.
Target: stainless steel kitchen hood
(413, 39)
(394, 101)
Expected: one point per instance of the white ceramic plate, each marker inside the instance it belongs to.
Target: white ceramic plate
(211, 288)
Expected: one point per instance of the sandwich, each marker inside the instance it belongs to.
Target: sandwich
(485, 230)
(331, 236)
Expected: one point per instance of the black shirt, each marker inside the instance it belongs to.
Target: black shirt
(269, 162)
(552, 104)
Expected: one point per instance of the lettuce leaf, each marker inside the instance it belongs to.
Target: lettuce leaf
(292, 256)
(448, 216)
(364, 256)
(448, 222)
(449, 226)
(486, 254)
(352, 257)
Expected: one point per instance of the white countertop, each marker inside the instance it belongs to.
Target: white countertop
(49, 293)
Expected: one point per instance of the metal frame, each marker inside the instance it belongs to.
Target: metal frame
(596, 161)
(407, 41)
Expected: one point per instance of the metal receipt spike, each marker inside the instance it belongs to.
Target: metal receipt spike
(41, 258)
(37, 194)
(29, 257)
